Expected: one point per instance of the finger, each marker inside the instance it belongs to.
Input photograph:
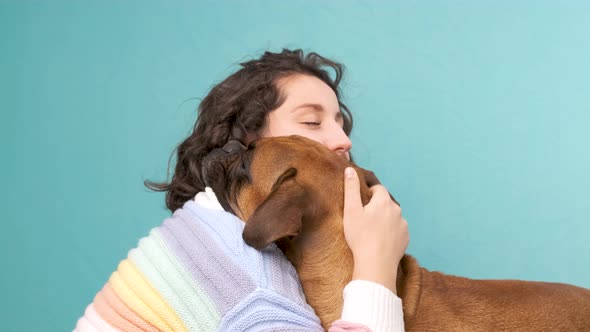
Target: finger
(377, 190)
(379, 193)
(377, 187)
(352, 193)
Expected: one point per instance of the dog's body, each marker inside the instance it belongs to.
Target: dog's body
(290, 191)
(433, 301)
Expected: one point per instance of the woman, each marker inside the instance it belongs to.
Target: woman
(195, 273)
(290, 93)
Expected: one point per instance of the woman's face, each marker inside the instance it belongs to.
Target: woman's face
(311, 110)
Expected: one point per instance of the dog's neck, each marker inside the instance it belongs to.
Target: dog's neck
(322, 274)
(409, 287)
(323, 290)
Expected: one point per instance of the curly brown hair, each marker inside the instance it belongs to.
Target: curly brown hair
(236, 108)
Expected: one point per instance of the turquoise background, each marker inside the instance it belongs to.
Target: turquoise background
(475, 115)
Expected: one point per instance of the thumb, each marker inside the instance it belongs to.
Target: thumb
(352, 195)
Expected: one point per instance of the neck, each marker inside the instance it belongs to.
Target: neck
(409, 287)
(323, 275)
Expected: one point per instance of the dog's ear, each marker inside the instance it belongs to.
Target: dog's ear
(280, 215)
(371, 180)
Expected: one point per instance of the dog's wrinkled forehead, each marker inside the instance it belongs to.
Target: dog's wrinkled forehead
(233, 146)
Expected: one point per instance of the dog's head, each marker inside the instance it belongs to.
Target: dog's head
(290, 191)
(281, 186)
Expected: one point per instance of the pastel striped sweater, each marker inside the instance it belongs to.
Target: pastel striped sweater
(195, 273)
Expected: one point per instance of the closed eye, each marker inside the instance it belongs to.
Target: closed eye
(311, 123)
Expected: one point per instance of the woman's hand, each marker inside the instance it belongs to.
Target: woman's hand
(376, 233)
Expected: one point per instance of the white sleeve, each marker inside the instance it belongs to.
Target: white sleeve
(373, 305)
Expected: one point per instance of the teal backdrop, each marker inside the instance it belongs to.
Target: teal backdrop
(474, 114)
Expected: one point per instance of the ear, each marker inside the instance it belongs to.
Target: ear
(280, 215)
(371, 180)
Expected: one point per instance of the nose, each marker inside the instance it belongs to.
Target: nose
(339, 142)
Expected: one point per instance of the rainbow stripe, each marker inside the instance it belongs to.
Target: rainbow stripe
(195, 273)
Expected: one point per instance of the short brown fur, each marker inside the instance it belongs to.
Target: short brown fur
(303, 215)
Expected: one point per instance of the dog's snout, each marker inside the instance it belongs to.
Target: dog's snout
(214, 165)
(233, 146)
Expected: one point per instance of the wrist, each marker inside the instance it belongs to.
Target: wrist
(383, 274)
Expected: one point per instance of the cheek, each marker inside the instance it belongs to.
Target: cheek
(280, 126)
(312, 135)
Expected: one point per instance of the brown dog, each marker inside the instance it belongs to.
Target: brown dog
(290, 190)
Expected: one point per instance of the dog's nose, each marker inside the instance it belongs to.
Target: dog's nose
(234, 146)
(214, 164)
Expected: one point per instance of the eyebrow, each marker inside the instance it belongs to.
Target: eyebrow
(317, 108)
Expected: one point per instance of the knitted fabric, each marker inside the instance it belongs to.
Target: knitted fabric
(195, 273)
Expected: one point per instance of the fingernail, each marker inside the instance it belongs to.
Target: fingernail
(349, 172)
